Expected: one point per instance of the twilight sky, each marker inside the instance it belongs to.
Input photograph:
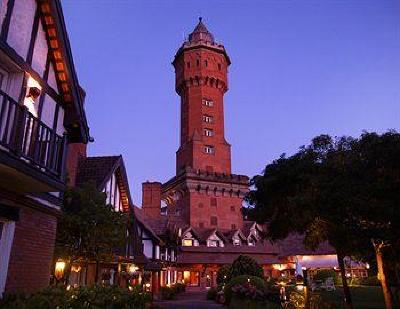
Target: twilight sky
(299, 69)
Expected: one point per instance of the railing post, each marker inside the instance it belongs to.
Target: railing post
(63, 159)
(18, 128)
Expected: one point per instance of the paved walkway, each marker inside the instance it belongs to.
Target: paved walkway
(192, 300)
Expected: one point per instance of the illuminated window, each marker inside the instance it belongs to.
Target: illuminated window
(209, 149)
(208, 119)
(236, 242)
(251, 242)
(187, 242)
(208, 132)
(213, 243)
(208, 103)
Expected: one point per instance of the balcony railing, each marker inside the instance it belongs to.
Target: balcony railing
(29, 139)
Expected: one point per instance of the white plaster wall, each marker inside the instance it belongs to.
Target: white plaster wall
(40, 51)
(6, 241)
(3, 11)
(49, 107)
(148, 248)
(19, 34)
(60, 122)
(51, 79)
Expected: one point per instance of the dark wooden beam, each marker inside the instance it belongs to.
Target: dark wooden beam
(34, 34)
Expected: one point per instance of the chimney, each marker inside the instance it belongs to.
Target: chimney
(151, 199)
(76, 151)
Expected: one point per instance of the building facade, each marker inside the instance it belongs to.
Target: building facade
(200, 208)
(41, 113)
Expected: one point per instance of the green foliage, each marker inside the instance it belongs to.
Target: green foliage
(212, 294)
(255, 281)
(367, 281)
(245, 265)
(224, 274)
(89, 228)
(109, 297)
(168, 293)
(324, 274)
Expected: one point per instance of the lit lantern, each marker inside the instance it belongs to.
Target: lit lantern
(75, 268)
(132, 269)
(59, 269)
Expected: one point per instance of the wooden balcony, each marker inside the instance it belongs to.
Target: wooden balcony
(31, 154)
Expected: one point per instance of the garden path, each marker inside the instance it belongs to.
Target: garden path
(192, 300)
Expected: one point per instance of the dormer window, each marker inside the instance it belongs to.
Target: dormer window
(251, 242)
(213, 243)
(236, 241)
(187, 242)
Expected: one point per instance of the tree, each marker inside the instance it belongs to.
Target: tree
(310, 193)
(89, 229)
(245, 265)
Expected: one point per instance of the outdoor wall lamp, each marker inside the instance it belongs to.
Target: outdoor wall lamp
(59, 269)
(33, 93)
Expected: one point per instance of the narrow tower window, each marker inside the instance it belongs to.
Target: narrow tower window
(208, 103)
(197, 62)
(214, 221)
(208, 132)
(206, 63)
(188, 65)
(213, 201)
(219, 66)
(208, 118)
(209, 149)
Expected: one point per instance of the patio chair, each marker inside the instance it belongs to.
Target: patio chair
(330, 284)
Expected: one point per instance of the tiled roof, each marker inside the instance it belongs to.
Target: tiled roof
(141, 220)
(95, 169)
(212, 257)
(201, 33)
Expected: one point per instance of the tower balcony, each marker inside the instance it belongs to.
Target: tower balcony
(31, 154)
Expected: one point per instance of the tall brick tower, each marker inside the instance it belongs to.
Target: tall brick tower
(201, 81)
(204, 193)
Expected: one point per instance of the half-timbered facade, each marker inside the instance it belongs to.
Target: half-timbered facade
(41, 112)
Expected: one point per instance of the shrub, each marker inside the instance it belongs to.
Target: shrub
(368, 281)
(257, 282)
(212, 294)
(180, 287)
(109, 297)
(224, 274)
(168, 293)
(245, 265)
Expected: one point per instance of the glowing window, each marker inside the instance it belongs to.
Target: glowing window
(187, 242)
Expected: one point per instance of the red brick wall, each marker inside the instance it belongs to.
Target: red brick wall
(75, 152)
(32, 251)
(202, 209)
(151, 199)
(194, 84)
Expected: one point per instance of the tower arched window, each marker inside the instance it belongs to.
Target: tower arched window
(206, 63)
(198, 62)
